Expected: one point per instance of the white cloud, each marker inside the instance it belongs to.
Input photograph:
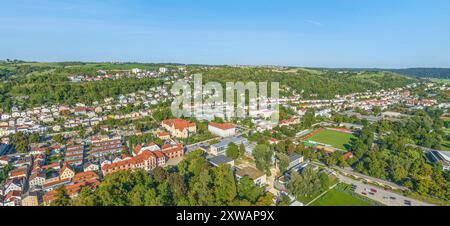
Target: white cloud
(315, 23)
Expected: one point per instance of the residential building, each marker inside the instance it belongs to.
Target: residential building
(85, 177)
(66, 172)
(13, 198)
(13, 185)
(146, 161)
(37, 179)
(257, 176)
(90, 166)
(31, 199)
(179, 128)
(221, 147)
(220, 160)
(173, 152)
(295, 160)
(102, 146)
(74, 155)
(163, 135)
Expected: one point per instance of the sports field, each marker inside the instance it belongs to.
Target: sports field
(336, 139)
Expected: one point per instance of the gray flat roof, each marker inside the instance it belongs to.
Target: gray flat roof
(293, 157)
(226, 142)
(219, 160)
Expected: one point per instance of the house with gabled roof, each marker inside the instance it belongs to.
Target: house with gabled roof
(66, 172)
(179, 128)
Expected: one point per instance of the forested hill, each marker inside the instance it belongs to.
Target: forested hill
(312, 84)
(35, 84)
(441, 73)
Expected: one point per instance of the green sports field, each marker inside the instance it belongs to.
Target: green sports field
(336, 139)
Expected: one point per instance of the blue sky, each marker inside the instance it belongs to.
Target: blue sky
(315, 33)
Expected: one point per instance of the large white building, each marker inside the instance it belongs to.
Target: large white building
(222, 129)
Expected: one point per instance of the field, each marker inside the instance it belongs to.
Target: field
(336, 139)
(337, 197)
(444, 81)
(445, 145)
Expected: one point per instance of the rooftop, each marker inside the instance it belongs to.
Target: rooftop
(226, 142)
(222, 126)
(294, 157)
(219, 160)
(250, 172)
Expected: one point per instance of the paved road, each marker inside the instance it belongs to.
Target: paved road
(350, 171)
(385, 197)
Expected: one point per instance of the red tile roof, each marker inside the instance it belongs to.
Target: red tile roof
(163, 134)
(222, 126)
(12, 194)
(146, 155)
(56, 182)
(348, 155)
(85, 176)
(179, 124)
(66, 166)
(54, 165)
(137, 149)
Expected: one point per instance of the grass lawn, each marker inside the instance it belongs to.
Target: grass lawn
(341, 196)
(445, 145)
(445, 81)
(336, 139)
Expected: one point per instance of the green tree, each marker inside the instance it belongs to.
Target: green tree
(283, 162)
(35, 138)
(263, 157)
(224, 185)
(233, 151)
(58, 138)
(241, 150)
(62, 198)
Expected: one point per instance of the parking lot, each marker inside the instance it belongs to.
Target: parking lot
(383, 196)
